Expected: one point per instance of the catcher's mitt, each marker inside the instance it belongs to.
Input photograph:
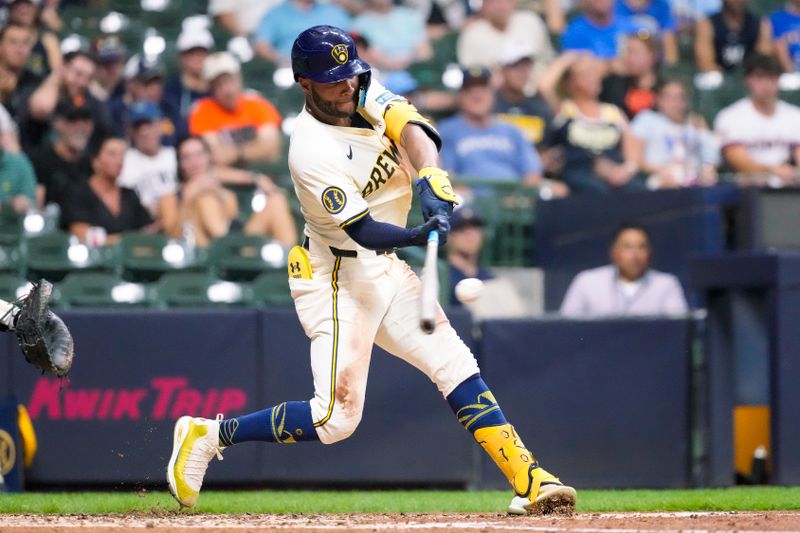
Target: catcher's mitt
(42, 335)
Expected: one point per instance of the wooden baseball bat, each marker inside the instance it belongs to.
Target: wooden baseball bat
(430, 285)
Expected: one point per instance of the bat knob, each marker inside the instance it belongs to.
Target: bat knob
(427, 326)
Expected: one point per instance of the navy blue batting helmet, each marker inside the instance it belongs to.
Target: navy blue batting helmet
(326, 54)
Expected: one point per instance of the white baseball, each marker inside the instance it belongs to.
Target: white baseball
(468, 290)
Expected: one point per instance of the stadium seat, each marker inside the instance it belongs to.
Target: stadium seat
(10, 227)
(271, 289)
(147, 257)
(198, 289)
(240, 257)
(10, 285)
(12, 259)
(100, 289)
(54, 255)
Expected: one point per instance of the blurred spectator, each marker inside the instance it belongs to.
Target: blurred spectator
(240, 17)
(240, 127)
(64, 161)
(654, 19)
(17, 181)
(597, 30)
(499, 22)
(188, 86)
(786, 31)
(726, 39)
(592, 136)
(476, 144)
(671, 146)
(426, 100)
(464, 245)
(71, 82)
(688, 12)
(99, 210)
(760, 134)
(9, 139)
(628, 286)
(441, 16)
(145, 83)
(208, 209)
(632, 86)
(110, 54)
(16, 81)
(149, 168)
(515, 103)
(46, 52)
(275, 34)
(396, 35)
(553, 11)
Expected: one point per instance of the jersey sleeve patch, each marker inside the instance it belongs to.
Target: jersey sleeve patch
(334, 200)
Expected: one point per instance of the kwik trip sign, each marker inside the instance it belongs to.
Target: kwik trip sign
(164, 398)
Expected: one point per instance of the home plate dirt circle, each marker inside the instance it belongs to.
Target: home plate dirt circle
(743, 522)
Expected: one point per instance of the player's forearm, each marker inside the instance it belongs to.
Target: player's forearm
(419, 146)
(375, 235)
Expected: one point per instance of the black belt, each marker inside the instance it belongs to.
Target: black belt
(350, 253)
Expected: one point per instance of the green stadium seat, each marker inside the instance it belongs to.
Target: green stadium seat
(241, 257)
(271, 289)
(10, 285)
(100, 289)
(147, 257)
(10, 227)
(54, 255)
(12, 259)
(198, 289)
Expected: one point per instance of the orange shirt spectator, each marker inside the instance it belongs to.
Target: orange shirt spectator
(252, 111)
(240, 127)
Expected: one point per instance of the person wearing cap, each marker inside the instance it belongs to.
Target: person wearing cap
(760, 134)
(110, 54)
(241, 127)
(46, 51)
(275, 34)
(98, 210)
(188, 86)
(71, 81)
(464, 245)
(145, 83)
(476, 144)
(64, 160)
(515, 102)
(499, 22)
(150, 167)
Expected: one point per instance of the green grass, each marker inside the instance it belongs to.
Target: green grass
(310, 502)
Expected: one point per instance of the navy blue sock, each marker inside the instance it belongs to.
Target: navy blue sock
(474, 405)
(285, 423)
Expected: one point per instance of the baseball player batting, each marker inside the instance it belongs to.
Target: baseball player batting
(354, 153)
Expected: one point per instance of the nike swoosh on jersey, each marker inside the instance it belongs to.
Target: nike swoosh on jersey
(350, 153)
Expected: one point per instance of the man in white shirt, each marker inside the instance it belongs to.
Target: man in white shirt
(500, 23)
(760, 134)
(628, 286)
(150, 168)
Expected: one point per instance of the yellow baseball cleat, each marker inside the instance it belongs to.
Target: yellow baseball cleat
(546, 494)
(196, 442)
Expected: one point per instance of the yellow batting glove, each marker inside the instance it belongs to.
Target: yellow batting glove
(439, 182)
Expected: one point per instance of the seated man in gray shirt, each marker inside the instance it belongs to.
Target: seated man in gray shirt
(628, 286)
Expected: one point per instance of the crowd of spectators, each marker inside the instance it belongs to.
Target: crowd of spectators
(570, 96)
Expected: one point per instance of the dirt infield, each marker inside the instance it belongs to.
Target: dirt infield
(761, 522)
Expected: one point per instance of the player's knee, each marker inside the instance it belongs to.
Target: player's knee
(343, 424)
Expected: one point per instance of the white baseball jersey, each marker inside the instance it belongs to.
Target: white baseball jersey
(353, 301)
(150, 176)
(341, 173)
(769, 139)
